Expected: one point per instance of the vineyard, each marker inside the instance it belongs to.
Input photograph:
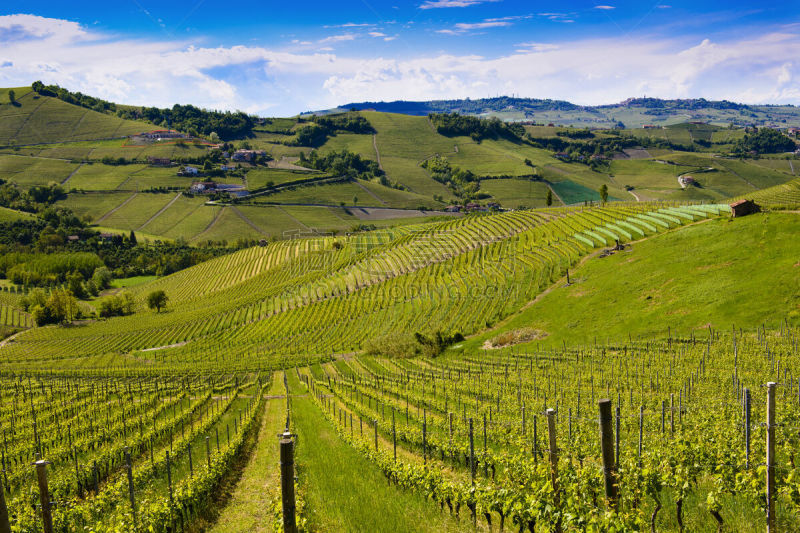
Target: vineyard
(404, 366)
(318, 296)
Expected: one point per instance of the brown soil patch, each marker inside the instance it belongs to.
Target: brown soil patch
(517, 336)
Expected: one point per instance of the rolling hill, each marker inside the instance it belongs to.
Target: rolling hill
(632, 113)
(109, 181)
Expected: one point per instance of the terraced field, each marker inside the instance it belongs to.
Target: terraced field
(457, 275)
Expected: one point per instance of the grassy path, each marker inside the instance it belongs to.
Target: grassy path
(345, 491)
(249, 505)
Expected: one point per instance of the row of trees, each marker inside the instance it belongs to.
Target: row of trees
(316, 133)
(453, 124)
(342, 163)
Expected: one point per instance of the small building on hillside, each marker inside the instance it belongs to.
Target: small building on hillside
(158, 135)
(744, 207)
(453, 208)
(190, 171)
(687, 180)
(203, 186)
(247, 155)
(227, 167)
(159, 161)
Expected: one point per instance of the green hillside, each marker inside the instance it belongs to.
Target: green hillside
(46, 140)
(654, 285)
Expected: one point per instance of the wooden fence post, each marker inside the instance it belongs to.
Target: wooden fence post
(471, 453)
(551, 430)
(287, 483)
(747, 428)
(641, 425)
(771, 522)
(129, 468)
(5, 525)
(394, 436)
(44, 494)
(607, 444)
(208, 451)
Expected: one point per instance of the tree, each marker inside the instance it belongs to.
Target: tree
(604, 192)
(157, 300)
(132, 238)
(62, 305)
(12, 96)
(549, 199)
(355, 200)
(528, 162)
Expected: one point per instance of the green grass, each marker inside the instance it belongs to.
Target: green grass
(330, 194)
(345, 492)
(516, 192)
(93, 206)
(43, 119)
(124, 283)
(259, 177)
(10, 215)
(574, 193)
(138, 211)
(30, 171)
(656, 284)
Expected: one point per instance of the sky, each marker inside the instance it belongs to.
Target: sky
(283, 58)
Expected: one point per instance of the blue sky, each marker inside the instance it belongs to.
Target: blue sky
(280, 58)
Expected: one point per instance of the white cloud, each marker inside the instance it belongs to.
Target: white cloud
(432, 4)
(758, 69)
(338, 38)
(462, 27)
(605, 7)
(376, 34)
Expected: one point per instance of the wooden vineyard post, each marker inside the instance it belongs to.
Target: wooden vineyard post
(375, 426)
(672, 415)
(394, 437)
(607, 444)
(616, 436)
(425, 439)
(208, 451)
(771, 527)
(535, 442)
(44, 494)
(287, 483)
(551, 431)
(129, 468)
(191, 465)
(641, 425)
(5, 526)
(747, 428)
(471, 453)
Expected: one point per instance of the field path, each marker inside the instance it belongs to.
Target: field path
(169, 204)
(71, 174)
(377, 153)
(248, 505)
(550, 186)
(369, 192)
(123, 204)
(248, 221)
(212, 223)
